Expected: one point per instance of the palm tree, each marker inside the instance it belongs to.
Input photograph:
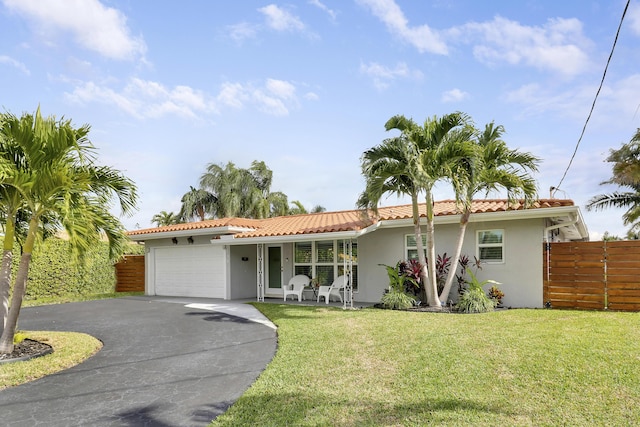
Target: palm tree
(297, 209)
(626, 174)
(318, 209)
(195, 204)
(165, 218)
(493, 166)
(243, 193)
(400, 166)
(412, 164)
(55, 174)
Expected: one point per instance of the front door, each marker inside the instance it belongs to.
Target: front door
(274, 270)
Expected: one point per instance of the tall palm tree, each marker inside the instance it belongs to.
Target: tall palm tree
(423, 155)
(626, 174)
(243, 192)
(391, 167)
(492, 167)
(196, 203)
(59, 179)
(165, 218)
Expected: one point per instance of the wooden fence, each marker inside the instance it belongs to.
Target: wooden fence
(592, 275)
(130, 274)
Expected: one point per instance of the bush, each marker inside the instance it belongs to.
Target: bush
(474, 300)
(52, 272)
(397, 300)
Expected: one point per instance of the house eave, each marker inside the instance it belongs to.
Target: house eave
(555, 215)
(337, 235)
(213, 231)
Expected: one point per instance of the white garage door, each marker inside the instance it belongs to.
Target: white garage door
(190, 271)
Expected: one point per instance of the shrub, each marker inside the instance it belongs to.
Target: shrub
(52, 272)
(475, 301)
(397, 300)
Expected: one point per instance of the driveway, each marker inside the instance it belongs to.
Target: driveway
(165, 362)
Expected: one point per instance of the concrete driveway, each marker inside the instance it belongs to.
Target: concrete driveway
(165, 362)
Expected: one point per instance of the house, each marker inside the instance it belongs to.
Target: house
(237, 258)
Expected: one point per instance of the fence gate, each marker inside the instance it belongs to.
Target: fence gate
(130, 274)
(592, 275)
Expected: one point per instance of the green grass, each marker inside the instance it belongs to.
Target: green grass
(61, 299)
(69, 349)
(388, 368)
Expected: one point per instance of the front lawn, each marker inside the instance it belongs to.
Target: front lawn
(387, 368)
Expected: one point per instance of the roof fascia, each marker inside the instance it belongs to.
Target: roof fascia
(216, 231)
(338, 235)
(492, 216)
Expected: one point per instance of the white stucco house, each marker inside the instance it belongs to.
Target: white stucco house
(238, 258)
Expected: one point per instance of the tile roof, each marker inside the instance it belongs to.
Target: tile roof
(331, 222)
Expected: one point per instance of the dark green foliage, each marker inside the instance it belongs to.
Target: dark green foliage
(53, 273)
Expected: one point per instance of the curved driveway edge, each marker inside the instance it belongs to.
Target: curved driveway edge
(165, 362)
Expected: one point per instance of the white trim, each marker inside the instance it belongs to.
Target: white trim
(214, 231)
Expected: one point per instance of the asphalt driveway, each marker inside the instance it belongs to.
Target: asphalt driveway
(165, 362)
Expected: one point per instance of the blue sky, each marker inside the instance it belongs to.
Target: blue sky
(169, 87)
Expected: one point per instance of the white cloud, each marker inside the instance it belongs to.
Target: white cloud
(146, 99)
(275, 97)
(281, 89)
(616, 104)
(311, 96)
(14, 63)
(559, 45)
(634, 17)
(317, 3)
(94, 26)
(454, 95)
(383, 76)
(281, 20)
(242, 31)
(423, 38)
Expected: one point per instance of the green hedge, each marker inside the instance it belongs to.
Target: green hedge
(52, 273)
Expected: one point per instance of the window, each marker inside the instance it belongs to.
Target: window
(411, 247)
(324, 260)
(490, 245)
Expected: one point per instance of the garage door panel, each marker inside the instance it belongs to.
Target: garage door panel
(193, 271)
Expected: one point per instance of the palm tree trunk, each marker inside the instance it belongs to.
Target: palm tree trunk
(433, 300)
(5, 270)
(422, 259)
(19, 288)
(464, 220)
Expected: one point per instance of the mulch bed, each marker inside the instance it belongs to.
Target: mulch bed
(26, 350)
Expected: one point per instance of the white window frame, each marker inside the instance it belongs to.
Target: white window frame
(337, 263)
(408, 248)
(491, 245)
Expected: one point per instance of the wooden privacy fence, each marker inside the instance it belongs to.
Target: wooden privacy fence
(592, 275)
(130, 274)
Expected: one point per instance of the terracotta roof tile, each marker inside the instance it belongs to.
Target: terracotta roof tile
(198, 225)
(328, 222)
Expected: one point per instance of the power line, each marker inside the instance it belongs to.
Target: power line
(584, 128)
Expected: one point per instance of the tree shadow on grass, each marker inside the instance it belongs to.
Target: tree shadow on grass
(314, 409)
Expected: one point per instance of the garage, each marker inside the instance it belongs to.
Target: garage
(190, 271)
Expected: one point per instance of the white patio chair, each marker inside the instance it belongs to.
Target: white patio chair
(295, 286)
(335, 288)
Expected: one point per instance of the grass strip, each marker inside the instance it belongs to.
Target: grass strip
(62, 299)
(69, 349)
